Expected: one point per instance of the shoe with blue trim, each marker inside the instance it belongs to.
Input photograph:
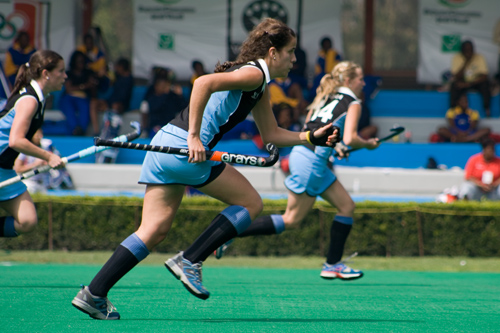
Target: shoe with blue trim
(221, 249)
(340, 271)
(95, 307)
(189, 274)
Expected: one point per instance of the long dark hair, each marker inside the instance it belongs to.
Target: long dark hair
(268, 33)
(32, 70)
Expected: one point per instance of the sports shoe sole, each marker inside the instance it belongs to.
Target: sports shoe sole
(91, 311)
(345, 277)
(179, 275)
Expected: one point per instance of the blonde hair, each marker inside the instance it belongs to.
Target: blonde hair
(331, 82)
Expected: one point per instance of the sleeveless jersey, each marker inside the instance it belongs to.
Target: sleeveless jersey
(225, 109)
(334, 110)
(7, 154)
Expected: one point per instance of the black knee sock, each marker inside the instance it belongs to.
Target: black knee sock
(120, 263)
(218, 232)
(7, 228)
(338, 236)
(260, 226)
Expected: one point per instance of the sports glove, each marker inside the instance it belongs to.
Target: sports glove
(321, 141)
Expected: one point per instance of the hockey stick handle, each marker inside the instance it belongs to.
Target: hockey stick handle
(211, 155)
(76, 156)
(395, 131)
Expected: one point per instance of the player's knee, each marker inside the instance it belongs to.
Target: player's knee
(27, 225)
(255, 207)
(347, 208)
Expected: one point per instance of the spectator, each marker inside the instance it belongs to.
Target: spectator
(462, 124)
(162, 105)
(328, 57)
(18, 54)
(482, 174)
(119, 100)
(470, 72)
(78, 89)
(285, 90)
(96, 59)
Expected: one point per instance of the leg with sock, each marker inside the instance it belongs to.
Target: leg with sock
(334, 267)
(93, 299)
(7, 228)
(186, 266)
(231, 222)
(265, 225)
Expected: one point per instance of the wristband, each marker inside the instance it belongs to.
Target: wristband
(308, 137)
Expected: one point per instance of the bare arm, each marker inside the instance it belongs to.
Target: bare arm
(271, 132)
(25, 110)
(351, 137)
(245, 79)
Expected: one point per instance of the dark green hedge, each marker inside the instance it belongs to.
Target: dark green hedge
(380, 229)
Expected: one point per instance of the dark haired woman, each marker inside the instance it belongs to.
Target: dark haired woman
(218, 102)
(19, 120)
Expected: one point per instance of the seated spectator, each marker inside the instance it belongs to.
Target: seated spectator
(482, 174)
(96, 59)
(162, 105)
(285, 90)
(470, 72)
(18, 54)
(119, 100)
(75, 99)
(283, 113)
(462, 124)
(328, 57)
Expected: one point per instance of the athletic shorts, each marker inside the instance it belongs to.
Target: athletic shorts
(161, 168)
(305, 176)
(11, 191)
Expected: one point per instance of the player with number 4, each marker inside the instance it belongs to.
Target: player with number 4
(337, 102)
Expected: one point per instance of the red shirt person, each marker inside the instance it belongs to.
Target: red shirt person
(482, 174)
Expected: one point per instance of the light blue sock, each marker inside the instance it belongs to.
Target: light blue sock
(8, 227)
(135, 245)
(238, 216)
(279, 224)
(344, 219)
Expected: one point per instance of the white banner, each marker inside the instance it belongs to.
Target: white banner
(444, 24)
(173, 33)
(49, 23)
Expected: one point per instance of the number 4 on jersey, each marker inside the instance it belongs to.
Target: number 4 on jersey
(326, 112)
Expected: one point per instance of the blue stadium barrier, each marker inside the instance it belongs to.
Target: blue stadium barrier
(417, 103)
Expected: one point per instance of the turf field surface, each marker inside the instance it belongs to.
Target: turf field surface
(36, 297)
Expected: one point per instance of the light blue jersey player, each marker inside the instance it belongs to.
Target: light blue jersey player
(310, 176)
(21, 117)
(218, 102)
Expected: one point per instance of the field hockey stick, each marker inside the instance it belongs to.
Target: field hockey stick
(395, 131)
(76, 156)
(211, 155)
